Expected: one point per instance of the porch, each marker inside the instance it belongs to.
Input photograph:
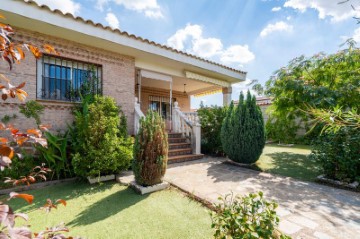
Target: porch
(170, 96)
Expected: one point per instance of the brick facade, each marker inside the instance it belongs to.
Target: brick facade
(118, 76)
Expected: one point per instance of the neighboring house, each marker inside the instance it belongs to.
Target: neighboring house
(138, 73)
(264, 102)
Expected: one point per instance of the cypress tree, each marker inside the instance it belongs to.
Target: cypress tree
(243, 132)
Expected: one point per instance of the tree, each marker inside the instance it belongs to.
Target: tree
(319, 82)
(258, 88)
(243, 133)
(13, 52)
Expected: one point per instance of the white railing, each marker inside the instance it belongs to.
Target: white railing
(187, 124)
(192, 117)
(137, 116)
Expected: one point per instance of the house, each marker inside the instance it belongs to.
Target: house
(140, 74)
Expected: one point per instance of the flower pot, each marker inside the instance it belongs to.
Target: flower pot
(101, 179)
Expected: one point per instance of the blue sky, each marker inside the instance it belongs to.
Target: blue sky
(257, 36)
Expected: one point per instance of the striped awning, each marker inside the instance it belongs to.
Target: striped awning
(209, 92)
(195, 76)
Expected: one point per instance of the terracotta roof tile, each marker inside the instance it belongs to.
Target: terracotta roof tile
(124, 33)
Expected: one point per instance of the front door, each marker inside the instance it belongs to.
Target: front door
(162, 105)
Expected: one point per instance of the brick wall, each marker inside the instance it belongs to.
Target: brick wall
(118, 80)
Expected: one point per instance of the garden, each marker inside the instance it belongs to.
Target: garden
(320, 93)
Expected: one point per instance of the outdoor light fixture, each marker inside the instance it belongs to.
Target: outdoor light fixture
(184, 89)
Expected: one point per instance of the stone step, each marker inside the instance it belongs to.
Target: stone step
(175, 152)
(179, 146)
(184, 158)
(176, 140)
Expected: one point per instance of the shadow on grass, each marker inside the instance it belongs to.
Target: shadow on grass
(294, 165)
(107, 207)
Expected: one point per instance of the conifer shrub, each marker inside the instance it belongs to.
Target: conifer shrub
(99, 148)
(150, 150)
(242, 132)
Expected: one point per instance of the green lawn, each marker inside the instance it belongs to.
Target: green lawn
(114, 211)
(289, 161)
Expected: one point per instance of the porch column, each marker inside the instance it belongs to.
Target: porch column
(226, 95)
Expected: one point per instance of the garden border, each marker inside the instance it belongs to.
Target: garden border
(36, 185)
(321, 179)
(192, 196)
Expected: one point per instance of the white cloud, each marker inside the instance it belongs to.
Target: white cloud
(207, 47)
(356, 35)
(276, 27)
(242, 87)
(112, 20)
(181, 36)
(100, 4)
(276, 9)
(66, 6)
(325, 8)
(237, 53)
(150, 8)
(191, 39)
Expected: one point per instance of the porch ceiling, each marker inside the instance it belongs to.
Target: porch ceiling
(192, 86)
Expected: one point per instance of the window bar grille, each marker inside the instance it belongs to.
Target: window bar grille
(55, 80)
(61, 78)
(43, 78)
(72, 95)
(49, 82)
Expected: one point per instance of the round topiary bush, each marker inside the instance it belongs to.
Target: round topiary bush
(243, 131)
(150, 150)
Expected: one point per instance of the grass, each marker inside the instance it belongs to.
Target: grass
(114, 211)
(289, 161)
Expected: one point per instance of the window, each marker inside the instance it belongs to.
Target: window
(66, 80)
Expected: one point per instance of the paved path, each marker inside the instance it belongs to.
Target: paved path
(307, 210)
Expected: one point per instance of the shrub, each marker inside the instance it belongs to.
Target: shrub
(55, 155)
(150, 150)
(242, 132)
(20, 166)
(98, 148)
(32, 109)
(211, 119)
(246, 217)
(338, 153)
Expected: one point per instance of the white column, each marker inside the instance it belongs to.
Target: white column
(226, 95)
(175, 118)
(196, 138)
(139, 86)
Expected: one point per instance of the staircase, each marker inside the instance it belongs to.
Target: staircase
(180, 149)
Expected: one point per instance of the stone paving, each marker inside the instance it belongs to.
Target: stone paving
(306, 210)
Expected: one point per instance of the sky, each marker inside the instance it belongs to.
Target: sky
(256, 36)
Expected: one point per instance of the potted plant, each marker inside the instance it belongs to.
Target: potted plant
(100, 151)
(150, 152)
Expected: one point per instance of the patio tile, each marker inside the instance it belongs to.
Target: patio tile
(306, 210)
